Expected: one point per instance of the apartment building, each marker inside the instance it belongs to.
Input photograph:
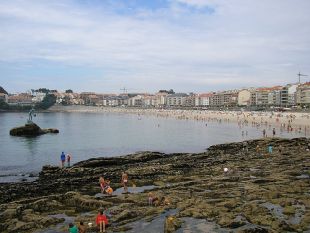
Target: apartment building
(226, 98)
(303, 94)
(23, 99)
(203, 100)
(161, 99)
(244, 98)
(177, 99)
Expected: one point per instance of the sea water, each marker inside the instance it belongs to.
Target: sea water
(89, 135)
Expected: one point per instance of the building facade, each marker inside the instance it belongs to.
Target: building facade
(177, 99)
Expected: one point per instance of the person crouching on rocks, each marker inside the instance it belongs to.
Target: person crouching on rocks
(153, 200)
(73, 228)
(82, 228)
(107, 188)
(101, 221)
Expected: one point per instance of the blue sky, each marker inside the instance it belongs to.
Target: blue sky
(187, 45)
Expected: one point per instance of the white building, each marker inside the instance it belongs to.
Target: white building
(244, 98)
(38, 97)
(3, 97)
(291, 94)
(203, 100)
(161, 99)
(303, 94)
(136, 101)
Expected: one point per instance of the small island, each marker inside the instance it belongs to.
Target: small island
(31, 129)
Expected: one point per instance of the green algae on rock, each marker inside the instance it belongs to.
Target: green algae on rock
(260, 192)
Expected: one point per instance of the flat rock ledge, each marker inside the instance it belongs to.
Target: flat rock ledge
(31, 130)
(259, 192)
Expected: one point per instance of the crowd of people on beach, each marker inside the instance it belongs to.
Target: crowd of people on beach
(290, 122)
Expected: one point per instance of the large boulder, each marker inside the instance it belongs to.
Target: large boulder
(31, 130)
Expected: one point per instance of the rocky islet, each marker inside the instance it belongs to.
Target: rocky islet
(259, 192)
(31, 130)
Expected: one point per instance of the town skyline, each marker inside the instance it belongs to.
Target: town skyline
(200, 45)
(125, 90)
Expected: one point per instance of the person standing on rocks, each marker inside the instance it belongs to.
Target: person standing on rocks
(68, 160)
(102, 183)
(63, 159)
(257, 149)
(125, 181)
(101, 221)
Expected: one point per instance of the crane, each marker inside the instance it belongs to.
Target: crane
(300, 75)
(124, 90)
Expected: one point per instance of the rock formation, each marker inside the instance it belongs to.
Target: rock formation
(31, 130)
(261, 192)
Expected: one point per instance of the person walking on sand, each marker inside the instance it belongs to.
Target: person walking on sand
(125, 181)
(273, 132)
(264, 133)
(63, 159)
(101, 221)
(68, 160)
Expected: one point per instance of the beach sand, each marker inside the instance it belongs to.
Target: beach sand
(284, 121)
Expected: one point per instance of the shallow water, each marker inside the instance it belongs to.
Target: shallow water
(89, 135)
(277, 211)
(193, 225)
(59, 228)
(141, 189)
(154, 226)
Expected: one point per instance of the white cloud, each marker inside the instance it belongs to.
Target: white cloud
(244, 39)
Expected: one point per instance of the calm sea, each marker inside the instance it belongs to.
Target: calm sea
(88, 135)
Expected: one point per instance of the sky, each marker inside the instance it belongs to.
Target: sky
(147, 45)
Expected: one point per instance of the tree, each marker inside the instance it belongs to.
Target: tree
(48, 101)
(4, 105)
(69, 91)
(43, 90)
(171, 91)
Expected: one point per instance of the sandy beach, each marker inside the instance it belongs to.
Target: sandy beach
(294, 122)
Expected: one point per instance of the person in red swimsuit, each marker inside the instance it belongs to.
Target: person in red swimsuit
(101, 221)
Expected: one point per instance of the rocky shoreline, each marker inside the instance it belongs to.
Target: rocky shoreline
(261, 192)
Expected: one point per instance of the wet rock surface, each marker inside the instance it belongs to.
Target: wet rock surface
(258, 192)
(31, 130)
